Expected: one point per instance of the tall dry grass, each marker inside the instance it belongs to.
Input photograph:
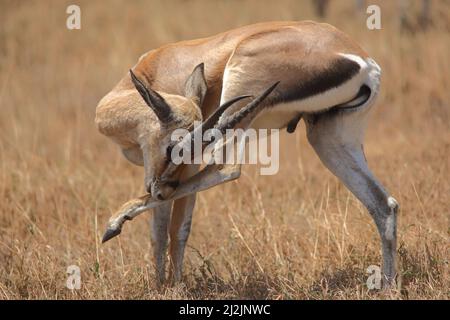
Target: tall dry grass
(298, 234)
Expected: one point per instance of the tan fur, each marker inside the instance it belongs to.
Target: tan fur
(167, 68)
(123, 116)
(243, 61)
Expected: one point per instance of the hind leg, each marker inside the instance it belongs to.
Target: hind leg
(337, 139)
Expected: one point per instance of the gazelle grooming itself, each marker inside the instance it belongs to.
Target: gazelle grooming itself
(324, 77)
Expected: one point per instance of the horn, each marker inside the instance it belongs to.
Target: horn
(153, 100)
(238, 116)
(231, 121)
(211, 120)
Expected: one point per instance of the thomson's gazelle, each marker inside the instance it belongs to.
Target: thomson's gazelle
(324, 77)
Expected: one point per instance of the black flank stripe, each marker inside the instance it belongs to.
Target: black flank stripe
(341, 70)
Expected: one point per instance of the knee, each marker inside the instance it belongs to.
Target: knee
(393, 205)
(390, 229)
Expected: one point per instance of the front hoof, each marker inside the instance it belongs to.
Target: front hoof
(110, 233)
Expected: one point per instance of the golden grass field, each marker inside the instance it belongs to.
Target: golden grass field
(296, 235)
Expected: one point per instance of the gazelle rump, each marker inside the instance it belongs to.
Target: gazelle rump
(324, 77)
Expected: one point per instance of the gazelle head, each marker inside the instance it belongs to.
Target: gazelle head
(176, 112)
(173, 112)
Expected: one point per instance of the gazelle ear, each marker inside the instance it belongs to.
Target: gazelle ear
(153, 100)
(195, 87)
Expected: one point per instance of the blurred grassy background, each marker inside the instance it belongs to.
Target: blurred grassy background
(299, 234)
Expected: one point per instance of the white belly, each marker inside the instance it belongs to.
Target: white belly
(273, 119)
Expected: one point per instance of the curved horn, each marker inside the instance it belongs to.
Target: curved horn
(153, 100)
(231, 121)
(207, 124)
(211, 120)
(238, 116)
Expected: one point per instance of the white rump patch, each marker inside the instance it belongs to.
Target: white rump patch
(355, 58)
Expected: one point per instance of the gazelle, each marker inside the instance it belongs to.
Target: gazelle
(324, 77)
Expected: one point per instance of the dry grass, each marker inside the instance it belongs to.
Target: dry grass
(299, 234)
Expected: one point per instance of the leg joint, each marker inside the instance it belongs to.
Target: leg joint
(393, 205)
